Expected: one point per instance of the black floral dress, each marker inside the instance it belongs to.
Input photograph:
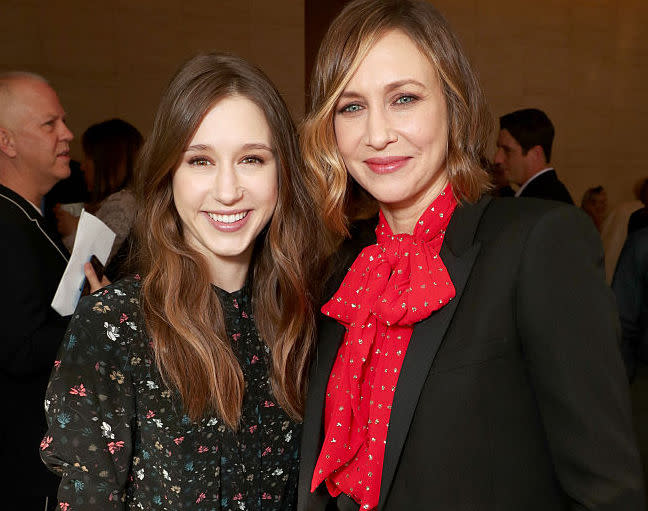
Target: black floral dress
(120, 440)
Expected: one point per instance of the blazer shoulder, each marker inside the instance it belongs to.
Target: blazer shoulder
(505, 215)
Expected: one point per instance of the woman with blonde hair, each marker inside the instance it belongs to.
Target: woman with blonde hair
(184, 388)
(469, 358)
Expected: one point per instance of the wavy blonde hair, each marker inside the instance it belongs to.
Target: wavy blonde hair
(348, 40)
(181, 311)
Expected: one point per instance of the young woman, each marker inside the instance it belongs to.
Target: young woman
(183, 388)
(468, 359)
(109, 153)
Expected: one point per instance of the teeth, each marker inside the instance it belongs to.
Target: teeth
(228, 219)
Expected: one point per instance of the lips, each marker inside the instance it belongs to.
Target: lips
(227, 221)
(227, 218)
(387, 165)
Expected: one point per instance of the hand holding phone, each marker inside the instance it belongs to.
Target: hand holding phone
(99, 271)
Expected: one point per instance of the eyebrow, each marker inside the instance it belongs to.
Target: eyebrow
(388, 88)
(53, 117)
(246, 147)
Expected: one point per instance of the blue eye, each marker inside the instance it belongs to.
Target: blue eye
(403, 100)
(353, 107)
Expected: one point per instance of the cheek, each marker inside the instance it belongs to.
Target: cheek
(346, 138)
(272, 196)
(427, 130)
(185, 192)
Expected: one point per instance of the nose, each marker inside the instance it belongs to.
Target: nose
(227, 188)
(379, 131)
(64, 132)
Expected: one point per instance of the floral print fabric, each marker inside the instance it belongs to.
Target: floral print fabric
(120, 440)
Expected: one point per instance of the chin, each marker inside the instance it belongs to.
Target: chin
(390, 195)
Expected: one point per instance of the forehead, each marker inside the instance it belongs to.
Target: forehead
(233, 120)
(32, 99)
(393, 57)
(505, 139)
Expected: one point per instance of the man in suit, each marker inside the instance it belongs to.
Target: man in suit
(524, 151)
(34, 156)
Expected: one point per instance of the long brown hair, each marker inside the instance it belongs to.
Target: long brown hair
(348, 40)
(182, 313)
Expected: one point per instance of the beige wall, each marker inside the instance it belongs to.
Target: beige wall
(585, 62)
(115, 61)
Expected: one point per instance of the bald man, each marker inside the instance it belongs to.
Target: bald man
(34, 155)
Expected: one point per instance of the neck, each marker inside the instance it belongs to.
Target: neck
(533, 173)
(229, 273)
(22, 186)
(402, 218)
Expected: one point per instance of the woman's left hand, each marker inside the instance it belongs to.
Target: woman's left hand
(94, 282)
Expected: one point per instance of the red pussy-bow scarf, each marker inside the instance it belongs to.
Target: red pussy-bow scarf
(390, 286)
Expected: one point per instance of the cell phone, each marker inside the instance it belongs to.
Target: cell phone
(99, 271)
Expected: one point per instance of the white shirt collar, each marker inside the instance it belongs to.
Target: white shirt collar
(35, 207)
(521, 189)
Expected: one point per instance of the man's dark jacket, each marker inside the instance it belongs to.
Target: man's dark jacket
(547, 186)
(32, 261)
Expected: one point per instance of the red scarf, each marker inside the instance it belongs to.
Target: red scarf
(390, 286)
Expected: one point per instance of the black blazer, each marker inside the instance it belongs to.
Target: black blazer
(547, 186)
(512, 397)
(32, 261)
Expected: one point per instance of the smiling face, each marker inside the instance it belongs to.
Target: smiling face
(36, 120)
(391, 127)
(225, 189)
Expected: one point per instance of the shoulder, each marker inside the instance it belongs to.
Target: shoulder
(637, 246)
(114, 308)
(124, 197)
(15, 213)
(123, 200)
(122, 295)
(515, 221)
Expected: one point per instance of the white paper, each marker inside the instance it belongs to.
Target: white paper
(93, 237)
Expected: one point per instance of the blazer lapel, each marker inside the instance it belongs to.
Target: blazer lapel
(330, 335)
(458, 253)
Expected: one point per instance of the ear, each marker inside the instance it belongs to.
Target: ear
(539, 155)
(7, 143)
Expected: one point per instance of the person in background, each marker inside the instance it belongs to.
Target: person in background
(184, 388)
(524, 151)
(34, 156)
(639, 219)
(614, 230)
(499, 180)
(71, 190)
(468, 359)
(630, 286)
(110, 150)
(594, 203)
